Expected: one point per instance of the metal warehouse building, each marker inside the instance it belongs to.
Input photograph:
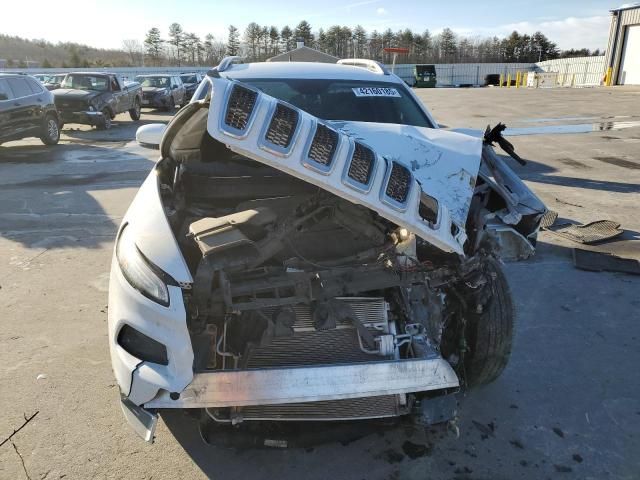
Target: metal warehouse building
(623, 50)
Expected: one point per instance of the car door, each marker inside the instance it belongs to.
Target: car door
(119, 96)
(6, 110)
(38, 100)
(24, 112)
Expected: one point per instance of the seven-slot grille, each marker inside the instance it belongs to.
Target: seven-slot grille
(398, 184)
(241, 104)
(323, 145)
(282, 127)
(362, 163)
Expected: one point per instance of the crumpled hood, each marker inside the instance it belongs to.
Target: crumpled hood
(395, 170)
(74, 94)
(445, 164)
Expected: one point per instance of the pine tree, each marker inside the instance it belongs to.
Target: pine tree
(233, 41)
(285, 35)
(176, 36)
(303, 32)
(153, 45)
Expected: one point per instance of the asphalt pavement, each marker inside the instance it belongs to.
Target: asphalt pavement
(567, 406)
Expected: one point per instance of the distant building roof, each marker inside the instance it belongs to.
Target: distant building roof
(626, 6)
(304, 54)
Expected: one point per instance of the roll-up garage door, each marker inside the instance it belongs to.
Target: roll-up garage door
(630, 65)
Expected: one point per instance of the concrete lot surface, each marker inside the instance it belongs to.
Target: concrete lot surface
(567, 406)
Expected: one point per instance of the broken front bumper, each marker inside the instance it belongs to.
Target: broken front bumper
(85, 117)
(273, 386)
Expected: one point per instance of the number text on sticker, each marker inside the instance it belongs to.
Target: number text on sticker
(375, 92)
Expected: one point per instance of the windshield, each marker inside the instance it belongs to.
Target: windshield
(160, 82)
(86, 82)
(348, 100)
(189, 78)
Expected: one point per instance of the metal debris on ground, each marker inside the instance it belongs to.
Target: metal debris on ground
(599, 261)
(592, 232)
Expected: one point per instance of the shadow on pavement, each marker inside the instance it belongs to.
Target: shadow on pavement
(53, 207)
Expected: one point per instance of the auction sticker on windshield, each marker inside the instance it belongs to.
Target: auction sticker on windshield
(375, 92)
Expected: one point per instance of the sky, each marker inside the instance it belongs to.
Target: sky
(105, 23)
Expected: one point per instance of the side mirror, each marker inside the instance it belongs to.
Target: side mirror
(149, 136)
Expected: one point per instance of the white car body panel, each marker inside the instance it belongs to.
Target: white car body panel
(146, 216)
(441, 159)
(445, 164)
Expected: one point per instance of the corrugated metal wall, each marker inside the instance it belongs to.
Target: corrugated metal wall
(619, 21)
(576, 72)
(454, 74)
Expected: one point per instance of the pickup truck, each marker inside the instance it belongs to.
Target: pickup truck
(95, 98)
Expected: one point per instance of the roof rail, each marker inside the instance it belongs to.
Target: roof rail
(224, 65)
(371, 65)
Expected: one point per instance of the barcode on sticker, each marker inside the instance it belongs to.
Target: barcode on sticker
(375, 92)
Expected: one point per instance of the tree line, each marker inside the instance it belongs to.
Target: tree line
(259, 42)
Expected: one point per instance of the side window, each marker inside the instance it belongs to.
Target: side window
(20, 87)
(35, 86)
(5, 91)
(115, 87)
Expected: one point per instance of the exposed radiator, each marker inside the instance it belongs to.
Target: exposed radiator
(351, 409)
(308, 346)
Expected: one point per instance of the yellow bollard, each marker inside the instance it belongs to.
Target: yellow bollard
(607, 77)
(501, 80)
(509, 81)
(526, 79)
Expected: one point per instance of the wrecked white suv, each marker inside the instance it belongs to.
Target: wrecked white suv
(312, 247)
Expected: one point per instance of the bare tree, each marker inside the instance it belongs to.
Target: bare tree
(134, 49)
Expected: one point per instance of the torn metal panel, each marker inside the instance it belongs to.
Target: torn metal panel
(310, 384)
(384, 167)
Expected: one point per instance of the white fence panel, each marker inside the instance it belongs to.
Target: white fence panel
(576, 72)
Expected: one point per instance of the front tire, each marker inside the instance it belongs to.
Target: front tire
(50, 130)
(134, 113)
(489, 334)
(172, 106)
(106, 120)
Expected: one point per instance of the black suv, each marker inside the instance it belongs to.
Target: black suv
(27, 110)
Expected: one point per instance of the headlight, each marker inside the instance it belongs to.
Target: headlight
(138, 272)
(164, 91)
(91, 108)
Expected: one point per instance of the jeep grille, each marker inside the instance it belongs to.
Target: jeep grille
(241, 103)
(323, 146)
(362, 164)
(398, 184)
(283, 125)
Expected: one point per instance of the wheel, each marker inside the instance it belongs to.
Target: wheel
(106, 120)
(134, 113)
(50, 130)
(489, 334)
(172, 105)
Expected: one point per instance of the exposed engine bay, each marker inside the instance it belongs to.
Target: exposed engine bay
(288, 274)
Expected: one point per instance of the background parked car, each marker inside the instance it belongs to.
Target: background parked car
(51, 82)
(162, 91)
(95, 98)
(191, 82)
(27, 109)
